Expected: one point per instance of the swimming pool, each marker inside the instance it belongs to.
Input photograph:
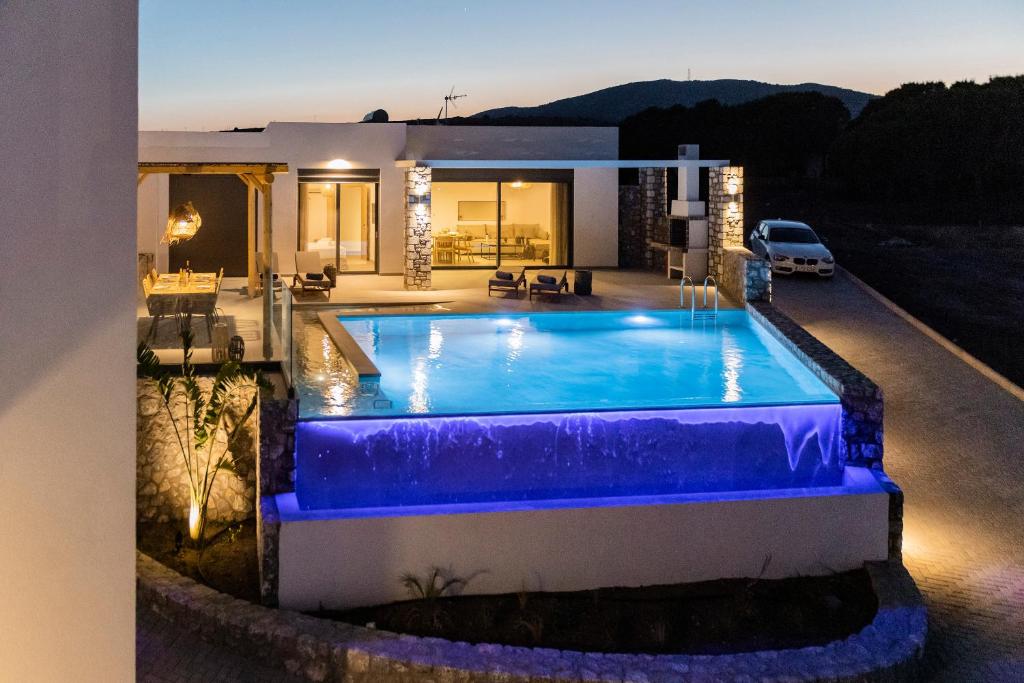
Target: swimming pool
(564, 450)
(558, 362)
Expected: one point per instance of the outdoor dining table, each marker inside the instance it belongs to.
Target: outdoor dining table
(180, 294)
(170, 284)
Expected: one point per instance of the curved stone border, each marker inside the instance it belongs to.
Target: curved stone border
(888, 649)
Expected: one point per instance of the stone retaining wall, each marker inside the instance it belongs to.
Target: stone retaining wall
(745, 277)
(653, 214)
(888, 649)
(860, 397)
(161, 485)
(632, 247)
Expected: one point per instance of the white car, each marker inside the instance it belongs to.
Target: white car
(792, 247)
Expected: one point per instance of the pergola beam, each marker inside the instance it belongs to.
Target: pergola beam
(221, 168)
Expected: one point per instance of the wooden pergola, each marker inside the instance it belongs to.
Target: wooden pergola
(258, 177)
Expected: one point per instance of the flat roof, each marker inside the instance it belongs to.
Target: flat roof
(562, 163)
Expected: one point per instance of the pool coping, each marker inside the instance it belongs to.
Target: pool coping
(349, 348)
(889, 648)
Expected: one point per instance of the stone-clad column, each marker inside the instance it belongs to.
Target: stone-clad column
(653, 210)
(725, 214)
(418, 243)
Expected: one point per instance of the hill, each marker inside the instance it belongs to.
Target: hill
(612, 105)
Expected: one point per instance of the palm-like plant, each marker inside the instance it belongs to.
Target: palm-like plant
(205, 418)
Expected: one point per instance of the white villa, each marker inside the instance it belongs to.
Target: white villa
(396, 198)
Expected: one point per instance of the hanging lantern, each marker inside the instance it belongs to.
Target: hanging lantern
(183, 224)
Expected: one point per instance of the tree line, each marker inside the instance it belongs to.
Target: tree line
(957, 149)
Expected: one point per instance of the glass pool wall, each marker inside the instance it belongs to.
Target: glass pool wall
(387, 463)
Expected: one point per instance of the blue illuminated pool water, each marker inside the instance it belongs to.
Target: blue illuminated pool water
(554, 362)
(532, 409)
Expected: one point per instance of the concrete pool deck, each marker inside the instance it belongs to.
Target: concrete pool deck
(953, 442)
(461, 291)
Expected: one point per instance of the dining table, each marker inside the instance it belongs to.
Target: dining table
(192, 293)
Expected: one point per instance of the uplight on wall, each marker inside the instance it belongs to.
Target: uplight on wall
(182, 224)
(339, 163)
(732, 186)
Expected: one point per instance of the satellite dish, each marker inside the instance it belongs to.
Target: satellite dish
(376, 116)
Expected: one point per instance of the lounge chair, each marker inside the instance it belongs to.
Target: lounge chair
(539, 286)
(507, 284)
(309, 273)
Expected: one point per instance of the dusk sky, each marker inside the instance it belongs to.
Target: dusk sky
(210, 65)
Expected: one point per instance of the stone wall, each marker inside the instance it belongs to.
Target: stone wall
(861, 398)
(276, 474)
(653, 214)
(725, 215)
(632, 248)
(890, 648)
(418, 241)
(161, 484)
(745, 277)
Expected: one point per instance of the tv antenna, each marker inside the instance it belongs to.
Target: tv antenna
(450, 97)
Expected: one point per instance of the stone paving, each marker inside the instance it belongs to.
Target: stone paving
(953, 442)
(168, 653)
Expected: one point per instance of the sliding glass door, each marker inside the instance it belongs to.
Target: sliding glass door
(338, 221)
(508, 222)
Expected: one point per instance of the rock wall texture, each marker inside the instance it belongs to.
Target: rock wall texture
(654, 214)
(745, 277)
(418, 240)
(725, 215)
(632, 249)
(888, 649)
(161, 486)
(861, 398)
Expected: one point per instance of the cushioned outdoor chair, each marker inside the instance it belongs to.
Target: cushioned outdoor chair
(546, 284)
(309, 273)
(507, 282)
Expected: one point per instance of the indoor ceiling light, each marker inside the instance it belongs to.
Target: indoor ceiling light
(182, 224)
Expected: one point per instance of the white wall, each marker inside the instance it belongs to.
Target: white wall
(302, 145)
(342, 563)
(512, 142)
(376, 145)
(68, 107)
(596, 217)
(151, 217)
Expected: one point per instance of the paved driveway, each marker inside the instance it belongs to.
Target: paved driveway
(954, 442)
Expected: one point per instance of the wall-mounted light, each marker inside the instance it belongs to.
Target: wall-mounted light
(339, 163)
(182, 224)
(732, 186)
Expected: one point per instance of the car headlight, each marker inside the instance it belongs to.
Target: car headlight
(780, 257)
(828, 259)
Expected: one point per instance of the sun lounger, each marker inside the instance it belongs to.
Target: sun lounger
(546, 284)
(506, 282)
(309, 273)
